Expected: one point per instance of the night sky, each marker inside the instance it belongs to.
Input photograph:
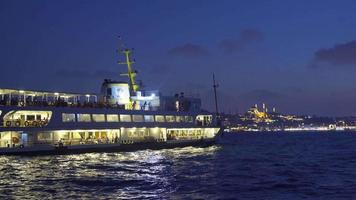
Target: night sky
(299, 56)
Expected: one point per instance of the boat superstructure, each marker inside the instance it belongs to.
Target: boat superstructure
(121, 117)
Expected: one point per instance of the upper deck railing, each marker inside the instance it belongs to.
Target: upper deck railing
(24, 98)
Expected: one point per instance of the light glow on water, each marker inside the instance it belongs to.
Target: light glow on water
(141, 174)
(244, 166)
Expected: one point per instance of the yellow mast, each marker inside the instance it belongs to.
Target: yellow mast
(131, 74)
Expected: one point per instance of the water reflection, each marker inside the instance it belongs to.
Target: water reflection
(141, 174)
(245, 166)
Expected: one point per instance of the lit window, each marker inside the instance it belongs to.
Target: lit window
(84, 117)
(179, 118)
(98, 117)
(44, 137)
(125, 118)
(112, 118)
(189, 119)
(159, 118)
(149, 118)
(30, 117)
(170, 118)
(68, 117)
(137, 118)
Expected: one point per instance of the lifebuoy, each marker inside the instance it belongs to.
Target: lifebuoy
(15, 140)
(17, 123)
(8, 123)
(43, 123)
(35, 123)
(27, 123)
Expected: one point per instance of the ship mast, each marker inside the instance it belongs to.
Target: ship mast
(131, 74)
(215, 85)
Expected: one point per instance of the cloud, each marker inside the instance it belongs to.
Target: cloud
(189, 50)
(247, 37)
(339, 55)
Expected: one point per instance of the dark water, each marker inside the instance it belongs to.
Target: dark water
(244, 166)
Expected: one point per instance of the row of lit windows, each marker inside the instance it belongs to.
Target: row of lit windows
(70, 117)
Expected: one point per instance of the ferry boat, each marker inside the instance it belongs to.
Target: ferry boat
(123, 117)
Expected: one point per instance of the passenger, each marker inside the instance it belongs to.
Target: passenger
(149, 106)
(60, 142)
(134, 105)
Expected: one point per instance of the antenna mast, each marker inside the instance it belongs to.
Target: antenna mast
(215, 85)
(131, 74)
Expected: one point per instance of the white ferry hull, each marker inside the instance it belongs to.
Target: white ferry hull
(77, 149)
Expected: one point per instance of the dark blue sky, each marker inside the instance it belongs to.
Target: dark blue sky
(299, 56)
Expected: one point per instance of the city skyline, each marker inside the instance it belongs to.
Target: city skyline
(298, 56)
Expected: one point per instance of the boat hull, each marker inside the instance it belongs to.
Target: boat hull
(79, 149)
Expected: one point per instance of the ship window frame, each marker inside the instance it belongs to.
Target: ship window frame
(30, 117)
(38, 117)
(170, 118)
(110, 119)
(137, 118)
(72, 116)
(149, 118)
(189, 119)
(182, 119)
(84, 114)
(98, 117)
(158, 118)
(125, 120)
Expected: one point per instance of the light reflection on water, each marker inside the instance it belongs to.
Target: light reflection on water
(141, 174)
(244, 166)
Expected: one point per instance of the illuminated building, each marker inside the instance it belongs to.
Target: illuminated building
(256, 115)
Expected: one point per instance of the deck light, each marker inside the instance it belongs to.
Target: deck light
(88, 97)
